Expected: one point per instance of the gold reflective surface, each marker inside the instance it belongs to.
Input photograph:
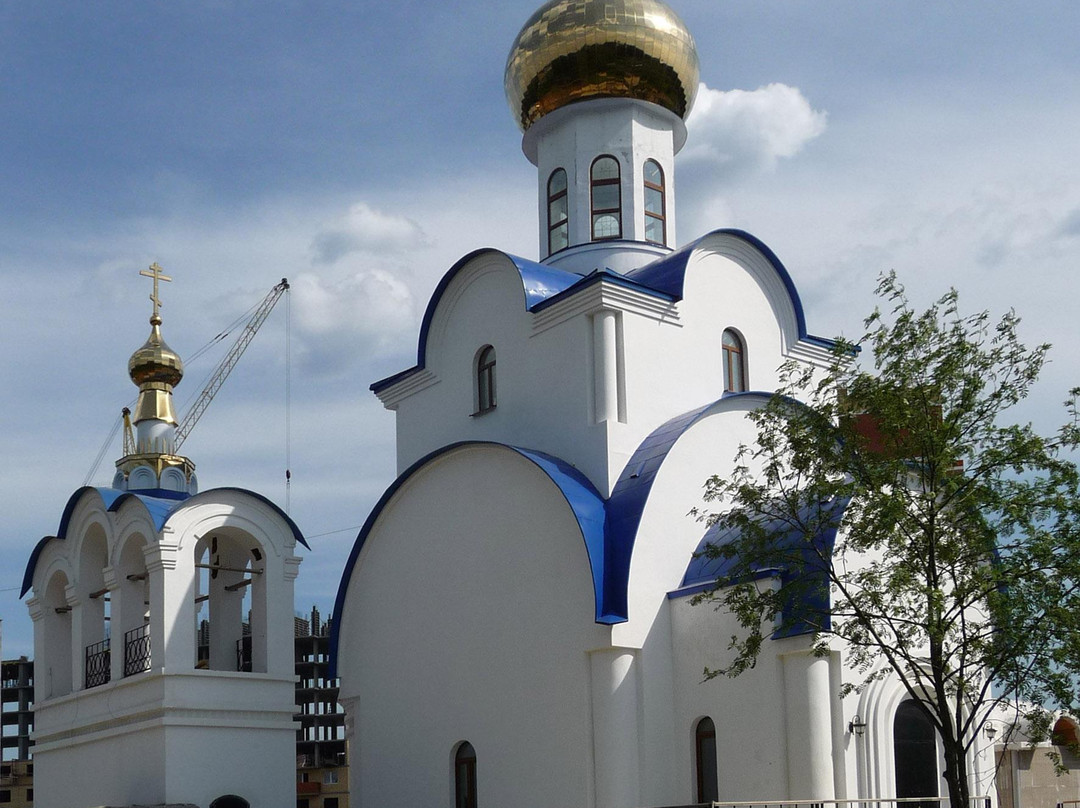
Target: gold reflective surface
(571, 50)
(155, 361)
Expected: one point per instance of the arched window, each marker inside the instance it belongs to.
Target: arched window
(606, 199)
(465, 776)
(705, 760)
(1064, 733)
(485, 380)
(230, 603)
(734, 362)
(915, 753)
(655, 222)
(558, 212)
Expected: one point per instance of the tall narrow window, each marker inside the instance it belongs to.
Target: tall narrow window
(734, 362)
(485, 380)
(465, 776)
(558, 212)
(655, 221)
(606, 199)
(705, 756)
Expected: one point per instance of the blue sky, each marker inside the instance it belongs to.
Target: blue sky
(359, 149)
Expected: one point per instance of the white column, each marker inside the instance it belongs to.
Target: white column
(172, 607)
(605, 364)
(809, 726)
(615, 700)
(116, 625)
(78, 643)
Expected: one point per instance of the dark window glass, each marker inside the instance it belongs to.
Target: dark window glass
(606, 199)
(915, 754)
(558, 212)
(485, 380)
(734, 363)
(655, 219)
(465, 776)
(705, 752)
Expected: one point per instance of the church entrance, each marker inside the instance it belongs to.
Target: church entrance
(915, 753)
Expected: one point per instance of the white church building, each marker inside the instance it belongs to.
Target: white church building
(514, 624)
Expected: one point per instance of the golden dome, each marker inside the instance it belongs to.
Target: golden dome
(155, 362)
(571, 50)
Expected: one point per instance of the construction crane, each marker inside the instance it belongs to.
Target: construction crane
(217, 379)
(224, 368)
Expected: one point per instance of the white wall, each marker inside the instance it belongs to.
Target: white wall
(469, 616)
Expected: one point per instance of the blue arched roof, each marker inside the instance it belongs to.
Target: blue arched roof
(538, 282)
(160, 505)
(609, 527)
(542, 285)
(631, 493)
(798, 558)
(584, 500)
(667, 274)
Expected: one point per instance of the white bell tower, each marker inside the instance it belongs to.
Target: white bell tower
(163, 625)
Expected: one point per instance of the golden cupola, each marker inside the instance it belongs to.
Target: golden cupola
(156, 369)
(574, 50)
(150, 460)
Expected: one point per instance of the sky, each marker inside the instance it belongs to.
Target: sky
(360, 149)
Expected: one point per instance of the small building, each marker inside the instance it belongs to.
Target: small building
(16, 708)
(17, 784)
(127, 711)
(322, 763)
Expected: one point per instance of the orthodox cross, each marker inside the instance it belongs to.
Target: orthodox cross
(155, 272)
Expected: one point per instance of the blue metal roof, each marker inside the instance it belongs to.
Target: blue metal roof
(609, 528)
(584, 500)
(794, 557)
(667, 274)
(543, 285)
(159, 503)
(630, 495)
(538, 283)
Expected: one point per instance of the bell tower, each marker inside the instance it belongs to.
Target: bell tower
(163, 628)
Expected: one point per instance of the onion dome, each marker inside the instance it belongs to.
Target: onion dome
(155, 361)
(573, 50)
(156, 369)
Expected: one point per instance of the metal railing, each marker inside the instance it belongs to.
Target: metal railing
(980, 801)
(137, 650)
(98, 663)
(243, 654)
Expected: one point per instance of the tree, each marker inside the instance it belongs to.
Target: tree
(956, 566)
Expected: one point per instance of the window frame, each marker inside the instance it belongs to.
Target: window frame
(662, 216)
(703, 732)
(595, 183)
(465, 774)
(733, 356)
(484, 382)
(564, 223)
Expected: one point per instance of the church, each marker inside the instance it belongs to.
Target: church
(514, 624)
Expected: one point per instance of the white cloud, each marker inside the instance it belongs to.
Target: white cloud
(368, 313)
(740, 129)
(365, 229)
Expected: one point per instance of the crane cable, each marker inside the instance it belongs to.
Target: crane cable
(104, 448)
(288, 397)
